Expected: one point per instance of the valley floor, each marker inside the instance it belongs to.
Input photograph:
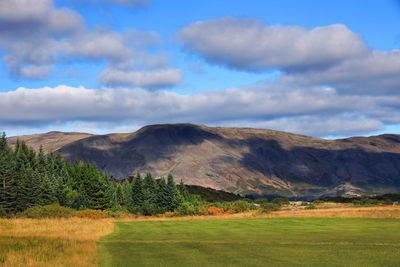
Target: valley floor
(254, 242)
(345, 236)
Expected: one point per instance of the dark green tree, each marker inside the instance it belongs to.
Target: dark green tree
(183, 191)
(137, 192)
(47, 194)
(172, 191)
(163, 201)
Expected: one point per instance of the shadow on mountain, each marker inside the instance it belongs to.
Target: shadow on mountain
(149, 144)
(322, 167)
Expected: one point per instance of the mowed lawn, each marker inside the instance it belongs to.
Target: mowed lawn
(253, 242)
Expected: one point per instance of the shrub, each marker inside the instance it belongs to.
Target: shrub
(149, 209)
(240, 206)
(261, 200)
(311, 207)
(215, 211)
(268, 207)
(3, 213)
(48, 211)
(116, 213)
(203, 210)
(171, 214)
(92, 214)
(281, 201)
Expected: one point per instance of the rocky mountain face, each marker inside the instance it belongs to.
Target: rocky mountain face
(241, 160)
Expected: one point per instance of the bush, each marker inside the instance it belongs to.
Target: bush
(240, 206)
(280, 201)
(171, 214)
(311, 207)
(149, 209)
(261, 200)
(92, 214)
(48, 211)
(3, 213)
(366, 202)
(268, 207)
(117, 214)
(203, 210)
(215, 211)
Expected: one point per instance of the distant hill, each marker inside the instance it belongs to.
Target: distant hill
(241, 160)
(51, 141)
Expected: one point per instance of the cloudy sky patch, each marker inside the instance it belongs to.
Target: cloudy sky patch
(319, 68)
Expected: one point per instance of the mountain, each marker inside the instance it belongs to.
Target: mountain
(51, 141)
(241, 160)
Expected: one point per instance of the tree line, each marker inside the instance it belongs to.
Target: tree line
(29, 178)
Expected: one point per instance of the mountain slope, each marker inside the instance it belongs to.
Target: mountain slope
(50, 141)
(248, 161)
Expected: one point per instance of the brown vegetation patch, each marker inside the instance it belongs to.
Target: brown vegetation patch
(51, 242)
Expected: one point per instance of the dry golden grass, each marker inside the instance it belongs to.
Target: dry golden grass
(341, 212)
(329, 212)
(51, 242)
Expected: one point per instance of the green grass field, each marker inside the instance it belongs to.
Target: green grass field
(253, 242)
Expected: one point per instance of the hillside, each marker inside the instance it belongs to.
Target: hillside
(50, 141)
(242, 160)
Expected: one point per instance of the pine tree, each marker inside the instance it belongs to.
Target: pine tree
(6, 171)
(42, 162)
(172, 191)
(137, 191)
(120, 195)
(127, 191)
(46, 195)
(163, 196)
(150, 189)
(178, 201)
(183, 191)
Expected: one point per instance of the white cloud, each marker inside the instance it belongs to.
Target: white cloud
(330, 55)
(37, 36)
(313, 111)
(376, 73)
(249, 44)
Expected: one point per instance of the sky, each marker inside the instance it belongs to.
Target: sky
(327, 69)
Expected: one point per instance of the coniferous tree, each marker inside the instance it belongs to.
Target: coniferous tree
(127, 191)
(28, 178)
(162, 196)
(137, 192)
(46, 195)
(150, 188)
(6, 171)
(172, 191)
(120, 195)
(182, 189)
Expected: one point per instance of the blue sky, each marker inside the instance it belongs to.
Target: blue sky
(319, 68)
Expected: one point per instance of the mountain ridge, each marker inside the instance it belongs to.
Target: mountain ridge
(244, 160)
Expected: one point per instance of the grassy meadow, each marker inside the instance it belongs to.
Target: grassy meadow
(344, 236)
(254, 242)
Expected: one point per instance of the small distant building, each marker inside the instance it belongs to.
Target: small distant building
(395, 203)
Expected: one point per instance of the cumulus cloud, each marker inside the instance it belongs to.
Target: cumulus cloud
(29, 34)
(36, 37)
(330, 55)
(376, 73)
(315, 111)
(249, 44)
(149, 79)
